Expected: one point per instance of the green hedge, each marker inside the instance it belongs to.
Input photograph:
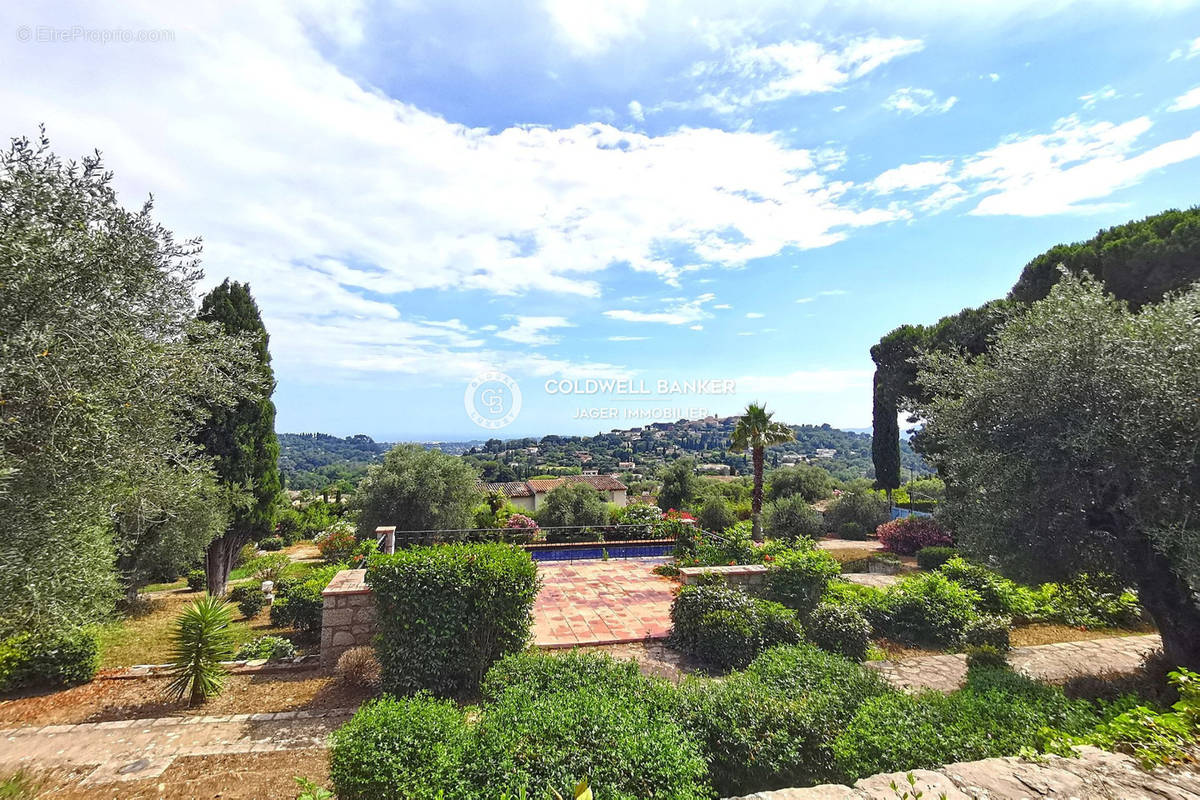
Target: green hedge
(448, 612)
(998, 713)
(934, 556)
(726, 627)
(798, 578)
(840, 630)
(53, 659)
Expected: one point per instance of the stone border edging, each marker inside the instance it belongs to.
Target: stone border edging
(250, 667)
(165, 722)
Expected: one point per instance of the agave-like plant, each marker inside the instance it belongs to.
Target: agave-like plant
(201, 641)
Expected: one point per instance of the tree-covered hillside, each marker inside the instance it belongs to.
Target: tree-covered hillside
(319, 460)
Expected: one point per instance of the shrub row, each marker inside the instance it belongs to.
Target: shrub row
(546, 721)
(299, 603)
(448, 612)
(65, 658)
(908, 535)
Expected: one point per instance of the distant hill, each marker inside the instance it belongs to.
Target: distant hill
(318, 460)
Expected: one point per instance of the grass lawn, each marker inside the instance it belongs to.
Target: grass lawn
(143, 635)
(299, 552)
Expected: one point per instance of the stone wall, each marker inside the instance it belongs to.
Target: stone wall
(347, 616)
(1092, 774)
(750, 576)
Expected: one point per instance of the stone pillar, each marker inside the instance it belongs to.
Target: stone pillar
(388, 534)
(347, 615)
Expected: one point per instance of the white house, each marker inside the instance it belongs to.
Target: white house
(529, 495)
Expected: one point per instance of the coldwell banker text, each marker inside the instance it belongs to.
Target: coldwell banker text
(639, 387)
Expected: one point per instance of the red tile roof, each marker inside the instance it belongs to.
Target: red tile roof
(510, 489)
(603, 483)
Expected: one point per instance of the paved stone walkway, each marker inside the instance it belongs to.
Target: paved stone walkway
(1049, 662)
(602, 602)
(1093, 775)
(879, 581)
(144, 748)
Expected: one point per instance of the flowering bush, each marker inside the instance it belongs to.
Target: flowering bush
(521, 522)
(906, 536)
(338, 546)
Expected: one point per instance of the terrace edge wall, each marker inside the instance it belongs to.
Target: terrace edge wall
(347, 615)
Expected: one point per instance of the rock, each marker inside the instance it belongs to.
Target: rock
(932, 784)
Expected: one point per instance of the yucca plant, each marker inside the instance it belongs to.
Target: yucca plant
(201, 641)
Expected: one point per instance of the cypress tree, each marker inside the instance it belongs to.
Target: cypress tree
(242, 440)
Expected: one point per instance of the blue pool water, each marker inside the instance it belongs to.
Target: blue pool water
(614, 551)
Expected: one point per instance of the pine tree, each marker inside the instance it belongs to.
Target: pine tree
(242, 440)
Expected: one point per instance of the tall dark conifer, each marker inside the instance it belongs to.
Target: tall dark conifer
(242, 440)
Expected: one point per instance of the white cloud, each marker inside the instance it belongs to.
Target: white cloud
(1092, 98)
(753, 74)
(805, 299)
(722, 306)
(530, 330)
(918, 101)
(1064, 170)
(833, 292)
(681, 312)
(328, 195)
(754, 315)
(1192, 50)
(993, 76)
(907, 177)
(1188, 100)
(636, 111)
(1034, 174)
(628, 338)
(591, 28)
(696, 327)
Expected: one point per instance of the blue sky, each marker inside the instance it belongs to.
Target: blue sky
(755, 193)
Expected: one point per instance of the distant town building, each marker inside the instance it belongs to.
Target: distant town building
(529, 495)
(714, 469)
(826, 452)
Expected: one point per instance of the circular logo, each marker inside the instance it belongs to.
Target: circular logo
(492, 400)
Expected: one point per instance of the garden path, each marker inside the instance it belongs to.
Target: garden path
(137, 749)
(602, 602)
(1049, 662)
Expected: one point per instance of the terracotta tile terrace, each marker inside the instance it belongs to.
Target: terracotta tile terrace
(602, 602)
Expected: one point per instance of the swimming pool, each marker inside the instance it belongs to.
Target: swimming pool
(615, 550)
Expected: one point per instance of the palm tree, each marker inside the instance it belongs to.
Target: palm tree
(202, 639)
(756, 431)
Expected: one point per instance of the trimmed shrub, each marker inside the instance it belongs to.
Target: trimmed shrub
(413, 748)
(299, 604)
(986, 656)
(726, 627)
(626, 749)
(52, 659)
(933, 557)
(852, 532)
(791, 518)
(716, 515)
(772, 726)
(988, 630)
(272, 648)
(250, 600)
(799, 578)
(1092, 601)
(271, 544)
(867, 509)
(447, 613)
(840, 630)
(197, 580)
(926, 609)
(908, 535)
(996, 714)
(358, 666)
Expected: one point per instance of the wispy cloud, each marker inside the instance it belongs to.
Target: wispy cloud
(1190, 50)
(628, 338)
(1092, 98)
(681, 312)
(918, 101)
(1186, 101)
(531, 330)
(753, 74)
(754, 315)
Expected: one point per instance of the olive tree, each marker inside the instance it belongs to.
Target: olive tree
(1071, 445)
(415, 489)
(105, 374)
